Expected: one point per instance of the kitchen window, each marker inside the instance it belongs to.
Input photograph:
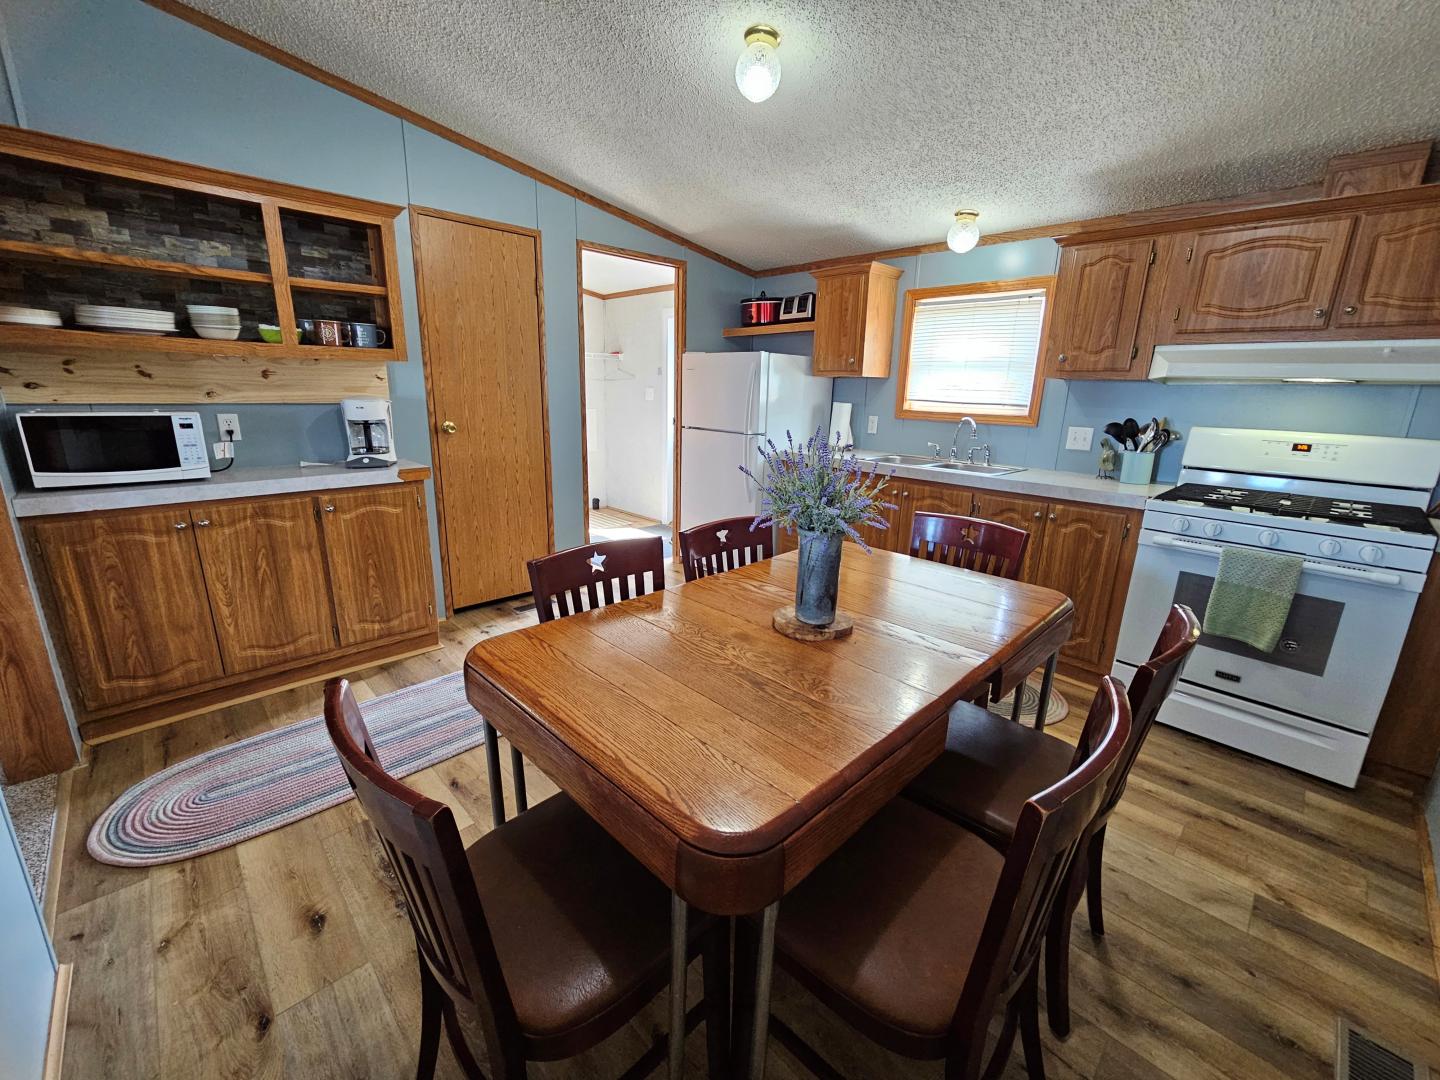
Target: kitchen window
(974, 350)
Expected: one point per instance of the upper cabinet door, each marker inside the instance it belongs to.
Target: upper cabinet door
(1264, 277)
(840, 323)
(1394, 274)
(378, 548)
(132, 603)
(266, 576)
(1097, 306)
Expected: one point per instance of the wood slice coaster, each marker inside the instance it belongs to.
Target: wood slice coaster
(785, 622)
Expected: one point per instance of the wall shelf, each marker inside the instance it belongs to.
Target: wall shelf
(56, 253)
(319, 285)
(805, 327)
(49, 341)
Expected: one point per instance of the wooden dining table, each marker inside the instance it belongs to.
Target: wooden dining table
(731, 760)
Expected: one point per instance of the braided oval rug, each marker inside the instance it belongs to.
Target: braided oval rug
(247, 788)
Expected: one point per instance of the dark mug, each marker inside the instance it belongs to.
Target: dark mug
(329, 332)
(307, 331)
(363, 335)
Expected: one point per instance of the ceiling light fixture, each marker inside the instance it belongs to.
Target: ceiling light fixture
(757, 72)
(965, 233)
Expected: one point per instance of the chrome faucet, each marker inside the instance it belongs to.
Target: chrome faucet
(974, 437)
(934, 450)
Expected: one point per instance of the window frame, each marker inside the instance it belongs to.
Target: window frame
(905, 411)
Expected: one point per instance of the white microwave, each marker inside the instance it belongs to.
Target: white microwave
(77, 449)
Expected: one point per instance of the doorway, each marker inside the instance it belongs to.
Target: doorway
(631, 340)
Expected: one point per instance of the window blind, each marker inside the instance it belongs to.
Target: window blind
(976, 352)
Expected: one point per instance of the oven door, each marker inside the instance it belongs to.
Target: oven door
(1336, 653)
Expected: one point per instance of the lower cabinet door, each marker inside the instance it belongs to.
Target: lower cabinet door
(377, 547)
(1080, 557)
(1028, 514)
(131, 603)
(265, 572)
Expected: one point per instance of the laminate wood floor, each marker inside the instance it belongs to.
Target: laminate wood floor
(1247, 908)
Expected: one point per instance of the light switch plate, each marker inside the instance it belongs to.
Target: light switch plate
(649, 393)
(224, 450)
(1079, 438)
(872, 425)
(229, 425)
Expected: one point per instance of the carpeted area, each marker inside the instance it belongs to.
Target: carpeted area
(31, 804)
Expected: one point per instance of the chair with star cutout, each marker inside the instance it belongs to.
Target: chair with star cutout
(727, 544)
(566, 583)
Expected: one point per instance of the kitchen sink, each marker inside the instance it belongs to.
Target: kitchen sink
(977, 470)
(902, 459)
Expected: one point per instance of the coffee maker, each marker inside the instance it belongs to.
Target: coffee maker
(369, 433)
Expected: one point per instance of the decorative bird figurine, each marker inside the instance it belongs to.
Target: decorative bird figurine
(1107, 460)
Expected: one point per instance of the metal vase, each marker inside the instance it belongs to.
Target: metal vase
(818, 582)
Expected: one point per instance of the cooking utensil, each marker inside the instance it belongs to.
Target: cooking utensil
(1132, 433)
(1116, 431)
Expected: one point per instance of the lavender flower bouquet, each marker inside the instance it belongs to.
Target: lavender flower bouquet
(823, 492)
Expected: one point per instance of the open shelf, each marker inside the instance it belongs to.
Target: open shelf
(41, 339)
(56, 253)
(804, 327)
(337, 286)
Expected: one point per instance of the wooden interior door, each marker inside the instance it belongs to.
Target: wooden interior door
(1080, 557)
(479, 289)
(1264, 277)
(1394, 274)
(377, 549)
(839, 323)
(132, 604)
(265, 573)
(1097, 306)
(1027, 514)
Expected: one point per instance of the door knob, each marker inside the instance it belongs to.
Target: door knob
(851, 361)
(1052, 517)
(449, 427)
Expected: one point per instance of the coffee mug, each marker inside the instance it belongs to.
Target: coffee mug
(364, 335)
(329, 332)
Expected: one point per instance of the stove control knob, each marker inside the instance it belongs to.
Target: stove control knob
(1269, 537)
(1330, 548)
(1372, 554)
(1213, 528)
(1182, 524)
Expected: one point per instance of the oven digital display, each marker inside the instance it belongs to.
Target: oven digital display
(1301, 447)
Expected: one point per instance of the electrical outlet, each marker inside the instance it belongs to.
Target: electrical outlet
(872, 425)
(1079, 438)
(229, 424)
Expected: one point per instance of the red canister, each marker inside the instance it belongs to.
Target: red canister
(759, 310)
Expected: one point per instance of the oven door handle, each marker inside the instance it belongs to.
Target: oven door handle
(1373, 577)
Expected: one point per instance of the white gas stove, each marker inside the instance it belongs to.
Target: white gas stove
(1353, 507)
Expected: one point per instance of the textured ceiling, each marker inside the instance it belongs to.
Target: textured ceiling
(604, 273)
(891, 113)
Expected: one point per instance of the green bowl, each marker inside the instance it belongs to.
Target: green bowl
(270, 333)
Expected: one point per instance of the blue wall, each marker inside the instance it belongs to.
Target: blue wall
(28, 963)
(124, 74)
(1363, 410)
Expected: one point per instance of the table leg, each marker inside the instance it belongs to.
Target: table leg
(517, 766)
(679, 941)
(1046, 681)
(1016, 701)
(764, 969)
(492, 766)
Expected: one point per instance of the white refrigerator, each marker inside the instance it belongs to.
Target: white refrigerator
(730, 403)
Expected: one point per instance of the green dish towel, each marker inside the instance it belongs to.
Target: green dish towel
(1252, 596)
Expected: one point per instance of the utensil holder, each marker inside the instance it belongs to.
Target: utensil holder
(1136, 468)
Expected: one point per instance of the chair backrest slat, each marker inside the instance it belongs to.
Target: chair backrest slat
(987, 547)
(591, 576)
(718, 547)
(1048, 834)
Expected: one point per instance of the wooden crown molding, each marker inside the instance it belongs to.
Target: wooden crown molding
(248, 41)
(628, 292)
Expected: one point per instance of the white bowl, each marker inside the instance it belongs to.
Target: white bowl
(221, 323)
(203, 309)
(218, 333)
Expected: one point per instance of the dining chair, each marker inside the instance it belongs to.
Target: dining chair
(990, 767)
(917, 932)
(987, 547)
(566, 583)
(727, 544)
(544, 935)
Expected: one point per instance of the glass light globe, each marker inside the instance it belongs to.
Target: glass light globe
(757, 72)
(965, 233)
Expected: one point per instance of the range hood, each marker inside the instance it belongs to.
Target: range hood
(1299, 362)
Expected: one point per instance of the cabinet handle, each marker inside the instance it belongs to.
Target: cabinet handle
(1037, 514)
(1063, 358)
(449, 427)
(851, 361)
(904, 494)
(204, 523)
(181, 525)
(1319, 313)
(1350, 309)
(329, 508)
(1052, 516)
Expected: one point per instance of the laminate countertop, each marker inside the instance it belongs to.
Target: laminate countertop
(1041, 483)
(237, 482)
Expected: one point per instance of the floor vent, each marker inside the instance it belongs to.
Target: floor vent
(1360, 1056)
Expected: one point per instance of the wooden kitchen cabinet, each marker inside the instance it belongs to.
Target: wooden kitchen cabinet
(1249, 278)
(1393, 276)
(1098, 297)
(1021, 513)
(265, 575)
(130, 595)
(855, 319)
(1081, 554)
(378, 549)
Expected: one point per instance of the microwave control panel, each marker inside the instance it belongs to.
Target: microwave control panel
(189, 440)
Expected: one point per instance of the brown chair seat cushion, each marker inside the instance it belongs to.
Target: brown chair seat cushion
(885, 929)
(990, 767)
(580, 927)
